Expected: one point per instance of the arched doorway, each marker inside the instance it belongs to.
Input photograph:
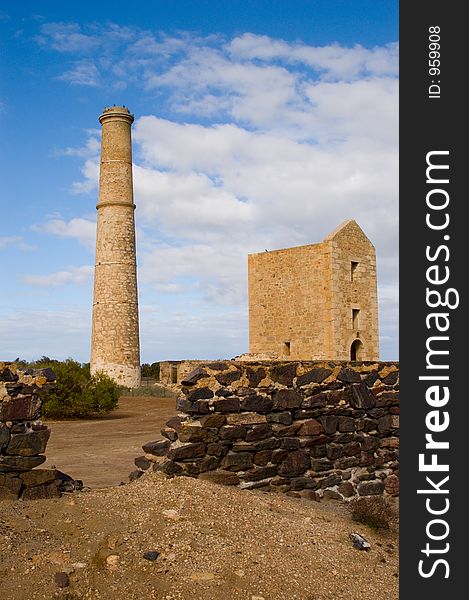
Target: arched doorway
(356, 350)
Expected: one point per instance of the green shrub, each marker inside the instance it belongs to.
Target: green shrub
(77, 393)
(151, 371)
(149, 390)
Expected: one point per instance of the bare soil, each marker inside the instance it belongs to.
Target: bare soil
(101, 451)
(211, 542)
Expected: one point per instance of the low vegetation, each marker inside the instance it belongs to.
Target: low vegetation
(148, 390)
(78, 394)
(151, 371)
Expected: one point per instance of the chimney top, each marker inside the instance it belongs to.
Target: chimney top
(121, 113)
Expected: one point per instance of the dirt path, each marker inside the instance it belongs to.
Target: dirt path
(181, 538)
(209, 543)
(101, 451)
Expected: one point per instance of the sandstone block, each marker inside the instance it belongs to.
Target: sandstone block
(232, 432)
(286, 399)
(194, 376)
(334, 451)
(283, 374)
(349, 375)
(141, 462)
(284, 418)
(186, 451)
(346, 489)
(259, 473)
(370, 443)
(255, 376)
(20, 463)
(310, 427)
(330, 423)
(10, 486)
(203, 393)
(314, 376)
(346, 424)
(157, 448)
(362, 397)
(20, 408)
(228, 377)
(221, 477)
(174, 423)
(28, 444)
(226, 405)
(370, 488)
(237, 461)
(4, 437)
(40, 492)
(316, 401)
(391, 485)
(213, 420)
(169, 433)
(259, 432)
(38, 477)
(247, 418)
(263, 457)
(195, 433)
(256, 403)
(296, 463)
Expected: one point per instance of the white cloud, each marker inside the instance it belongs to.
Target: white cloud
(282, 142)
(15, 241)
(75, 276)
(332, 62)
(77, 228)
(84, 72)
(59, 333)
(67, 37)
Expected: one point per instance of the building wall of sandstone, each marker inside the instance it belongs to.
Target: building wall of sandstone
(301, 300)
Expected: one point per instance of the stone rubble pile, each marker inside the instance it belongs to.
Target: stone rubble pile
(23, 436)
(313, 429)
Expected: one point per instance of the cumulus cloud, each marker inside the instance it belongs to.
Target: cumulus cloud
(266, 144)
(83, 72)
(75, 276)
(67, 37)
(332, 62)
(60, 334)
(77, 228)
(15, 241)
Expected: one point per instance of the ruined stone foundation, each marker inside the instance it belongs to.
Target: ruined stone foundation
(23, 437)
(309, 428)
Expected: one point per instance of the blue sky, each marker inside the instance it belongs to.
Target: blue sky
(257, 125)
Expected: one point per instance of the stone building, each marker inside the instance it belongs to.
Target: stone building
(174, 371)
(315, 302)
(115, 346)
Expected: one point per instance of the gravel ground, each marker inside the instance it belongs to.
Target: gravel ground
(213, 543)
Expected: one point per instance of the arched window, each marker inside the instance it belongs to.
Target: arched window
(356, 350)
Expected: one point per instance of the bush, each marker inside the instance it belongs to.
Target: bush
(77, 394)
(151, 371)
(374, 511)
(149, 390)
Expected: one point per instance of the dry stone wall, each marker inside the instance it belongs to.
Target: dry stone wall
(23, 436)
(305, 428)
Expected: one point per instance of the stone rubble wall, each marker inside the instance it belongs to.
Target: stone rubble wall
(313, 429)
(23, 436)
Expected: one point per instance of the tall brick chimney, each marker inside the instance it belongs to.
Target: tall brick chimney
(115, 348)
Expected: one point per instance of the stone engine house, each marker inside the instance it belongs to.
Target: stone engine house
(315, 302)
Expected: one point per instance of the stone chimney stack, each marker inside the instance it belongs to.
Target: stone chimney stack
(115, 348)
